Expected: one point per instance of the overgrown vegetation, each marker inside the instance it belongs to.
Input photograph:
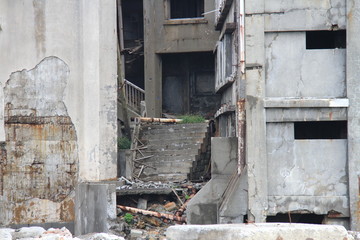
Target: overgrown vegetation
(124, 143)
(128, 218)
(192, 119)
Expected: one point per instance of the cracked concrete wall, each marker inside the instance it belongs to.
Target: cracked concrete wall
(294, 71)
(82, 35)
(309, 15)
(297, 177)
(286, 174)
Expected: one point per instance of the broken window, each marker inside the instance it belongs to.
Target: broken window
(296, 218)
(186, 8)
(321, 130)
(325, 39)
(224, 60)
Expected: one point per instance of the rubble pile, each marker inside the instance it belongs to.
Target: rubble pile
(147, 209)
(39, 233)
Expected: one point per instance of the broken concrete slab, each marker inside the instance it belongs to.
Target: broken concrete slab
(258, 231)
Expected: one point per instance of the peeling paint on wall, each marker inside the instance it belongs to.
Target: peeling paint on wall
(39, 159)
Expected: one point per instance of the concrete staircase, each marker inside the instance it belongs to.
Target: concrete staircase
(179, 151)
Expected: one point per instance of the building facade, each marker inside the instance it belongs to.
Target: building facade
(291, 101)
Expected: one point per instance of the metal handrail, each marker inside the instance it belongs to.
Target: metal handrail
(134, 95)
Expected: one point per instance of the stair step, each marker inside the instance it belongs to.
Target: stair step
(166, 141)
(183, 146)
(163, 160)
(174, 126)
(172, 135)
(165, 177)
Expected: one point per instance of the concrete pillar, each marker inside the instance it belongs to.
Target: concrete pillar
(353, 93)
(95, 206)
(255, 112)
(153, 66)
(95, 203)
(99, 136)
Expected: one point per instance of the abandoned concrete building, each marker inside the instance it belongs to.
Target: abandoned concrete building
(278, 78)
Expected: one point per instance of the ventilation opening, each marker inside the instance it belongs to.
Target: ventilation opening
(321, 130)
(325, 39)
(186, 8)
(296, 218)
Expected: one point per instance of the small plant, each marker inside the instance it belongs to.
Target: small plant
(124, 143)
(187, 197)
(128, 218)
(192, 119)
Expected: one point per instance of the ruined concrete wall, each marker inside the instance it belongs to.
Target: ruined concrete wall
(294, 71)
(164, 35)
(40, 166)
(296, 172)
(58, 116)
(286, 174)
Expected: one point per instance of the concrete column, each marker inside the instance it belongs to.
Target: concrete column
(255, 112)
(95, 207)
(153, 66)
(99, 136)
(353, 93)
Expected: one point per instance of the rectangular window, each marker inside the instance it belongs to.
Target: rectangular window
(186, 8)
(326, 39)
(321, 130)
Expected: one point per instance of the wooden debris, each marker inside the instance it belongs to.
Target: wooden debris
(161, 120)
(182, 209)
(152, 213)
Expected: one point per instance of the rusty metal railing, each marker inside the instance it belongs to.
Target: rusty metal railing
(134, 96)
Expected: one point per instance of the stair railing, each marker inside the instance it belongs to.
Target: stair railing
(134, 95)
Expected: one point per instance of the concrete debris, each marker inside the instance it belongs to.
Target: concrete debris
(100, 236)
(39, 233)
(138, 184)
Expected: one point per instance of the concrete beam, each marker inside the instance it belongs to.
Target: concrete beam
(353, 93)
(305, 102)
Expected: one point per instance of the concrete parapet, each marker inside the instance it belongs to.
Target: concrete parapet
(280, 231)
(203, 208)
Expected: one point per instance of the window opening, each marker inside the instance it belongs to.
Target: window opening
(296, 218)
(186, 8)
(321, 130)
(325, 39)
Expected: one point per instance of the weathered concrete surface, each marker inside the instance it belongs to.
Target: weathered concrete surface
(63, 126)
(310, 15)
(293, 185)
(61, 28)
(95, 207)
(40, 147)
(305, 114)
(203, 208)
(162, 35)
(233, 207)
(293, 71)
(259, 231)
(353, 93)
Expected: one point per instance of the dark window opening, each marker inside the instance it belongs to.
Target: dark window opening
(296, 218)
(325, 39)
(186, 8)
(321, 130)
